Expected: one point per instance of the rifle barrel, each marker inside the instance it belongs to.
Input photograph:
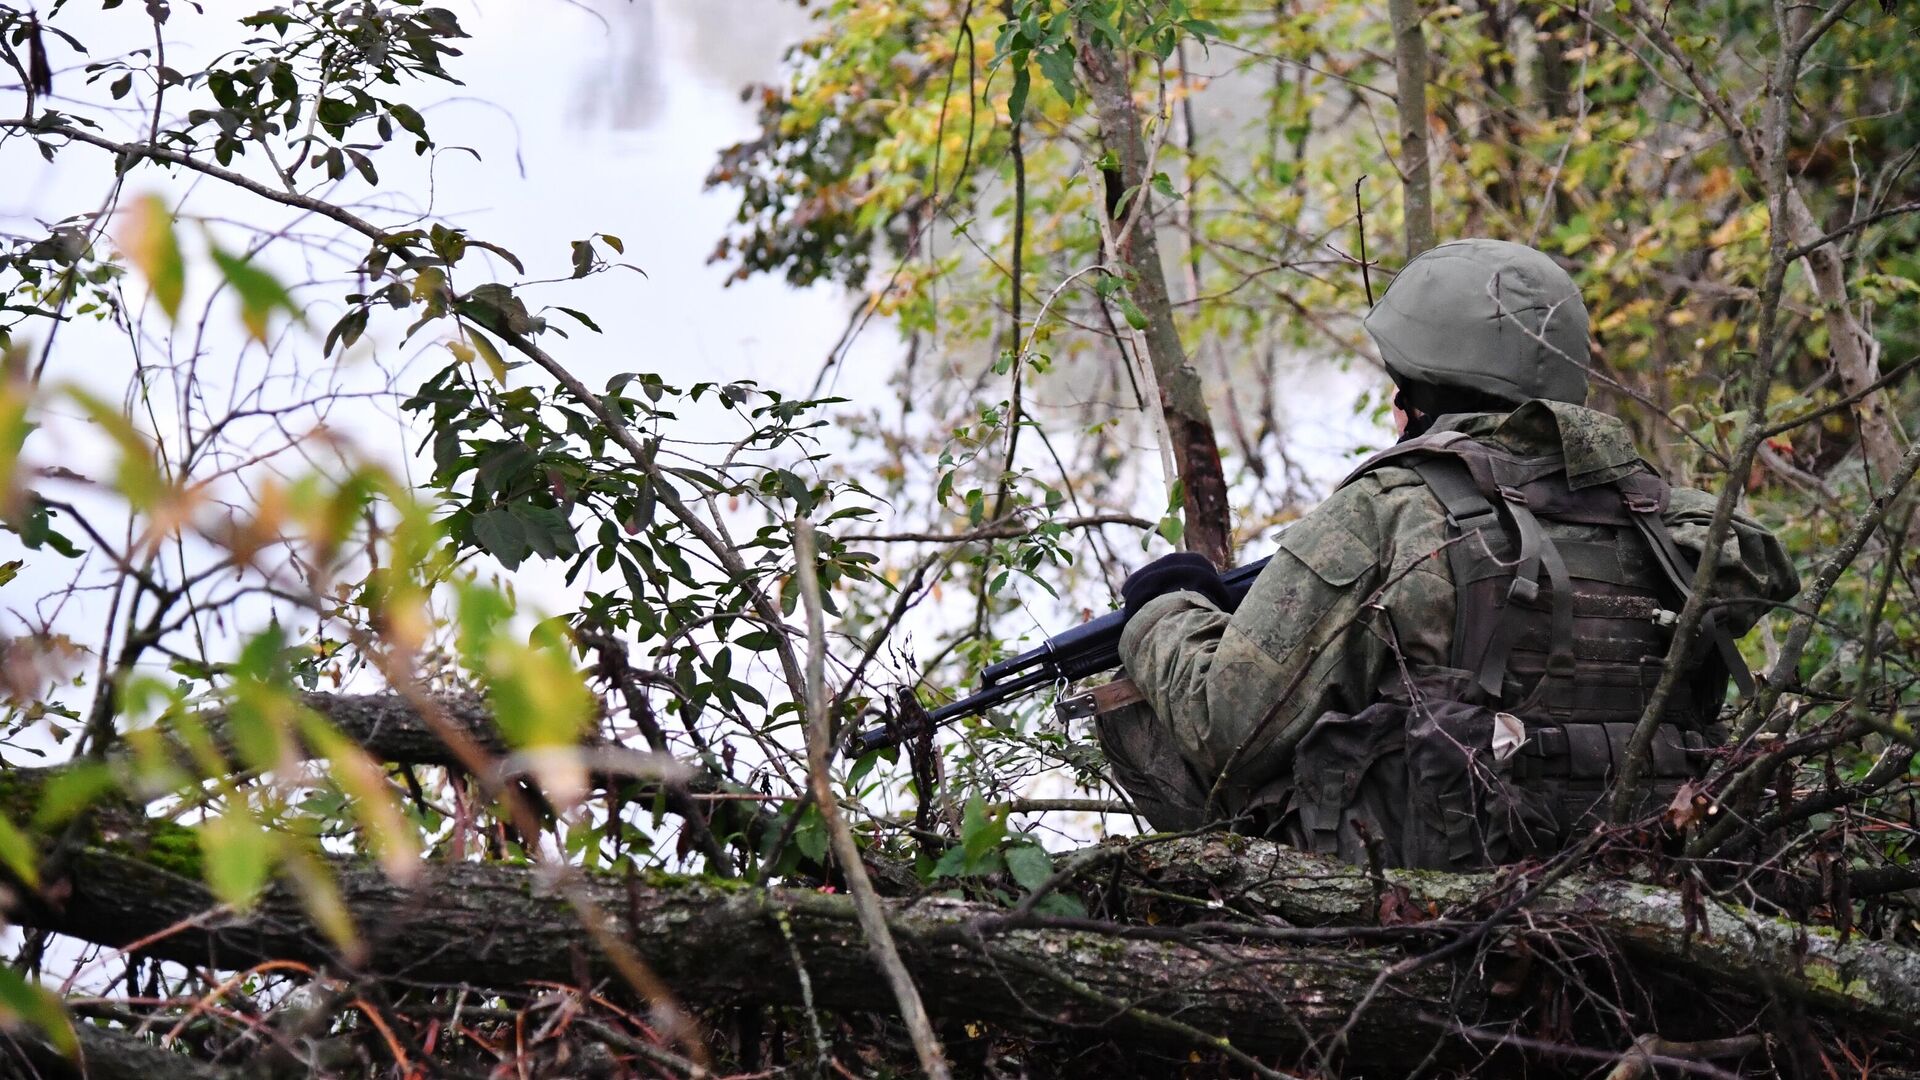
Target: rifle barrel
(1087, 649)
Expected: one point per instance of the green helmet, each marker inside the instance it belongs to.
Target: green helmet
(1488, 316)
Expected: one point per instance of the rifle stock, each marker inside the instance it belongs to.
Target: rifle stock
(1087, 649)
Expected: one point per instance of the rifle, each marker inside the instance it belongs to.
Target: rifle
(1087, 649)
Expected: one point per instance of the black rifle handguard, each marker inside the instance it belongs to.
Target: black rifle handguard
(1087, 649)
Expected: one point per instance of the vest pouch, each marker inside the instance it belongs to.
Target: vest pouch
(1350, 768)
(1574, 766)
(1465, 808)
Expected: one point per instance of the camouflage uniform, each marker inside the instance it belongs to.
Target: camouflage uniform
(1318, 632)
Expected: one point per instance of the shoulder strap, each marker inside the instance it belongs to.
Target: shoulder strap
(1440, 442)
(1674, 563)
(1482, 640)
(1645, 495)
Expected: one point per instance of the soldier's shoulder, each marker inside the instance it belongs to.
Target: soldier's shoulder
(1369, 508)
(1391, 494)
(1391, 478)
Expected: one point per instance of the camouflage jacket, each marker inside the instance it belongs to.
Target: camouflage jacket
(1312, 635)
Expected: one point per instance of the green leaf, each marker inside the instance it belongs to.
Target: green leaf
(1172, 527)
(502, 536)
(1022, 82)
(548, 531)
(512, 259)
(18, 853)
(138, 477)
(70, 791)
(408, 117)
(1057, 65)
(237, 856)
(495, 307)
(496, 365)
(538, 696)
(346, 331)
(981, 829)
(758, 641)
(953, 863)
(260, 294)
(1059, 904)
(581, 318)
(1030, 866)
(811, 835)
(31, 1003)
(1134, 316)
(861, 768)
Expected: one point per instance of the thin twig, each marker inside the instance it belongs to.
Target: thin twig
(866, 902)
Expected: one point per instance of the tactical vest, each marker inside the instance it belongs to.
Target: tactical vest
(1565, 601)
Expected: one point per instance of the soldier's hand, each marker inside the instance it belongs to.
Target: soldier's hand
(1183, 571)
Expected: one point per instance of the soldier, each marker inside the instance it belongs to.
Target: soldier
(1447, 657)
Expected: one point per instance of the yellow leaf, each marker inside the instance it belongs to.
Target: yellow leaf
(138, 477)
(14, 428)
(374, 801)
(148, 239)
(321, 897)
(495, 365)
(428, 284)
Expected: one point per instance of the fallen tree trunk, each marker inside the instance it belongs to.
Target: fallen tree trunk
(1272, 986)
(496, 926)
(110, 1054)
(1869, 983)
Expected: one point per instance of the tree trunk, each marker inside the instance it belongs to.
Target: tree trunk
(1183, 402)
(497, 926)
(1286, 980)
(109, 1054)
(1704, 942)
(1410, 70)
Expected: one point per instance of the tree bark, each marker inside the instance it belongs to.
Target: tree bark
(1416, 175)
(1720, 945)
(1273, 985)
(1856, 355)
(1196, 450)
(497, 926)
(109, 1054)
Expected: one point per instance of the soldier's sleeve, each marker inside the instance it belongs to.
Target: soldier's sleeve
(1753, 565)
(1258, 677)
